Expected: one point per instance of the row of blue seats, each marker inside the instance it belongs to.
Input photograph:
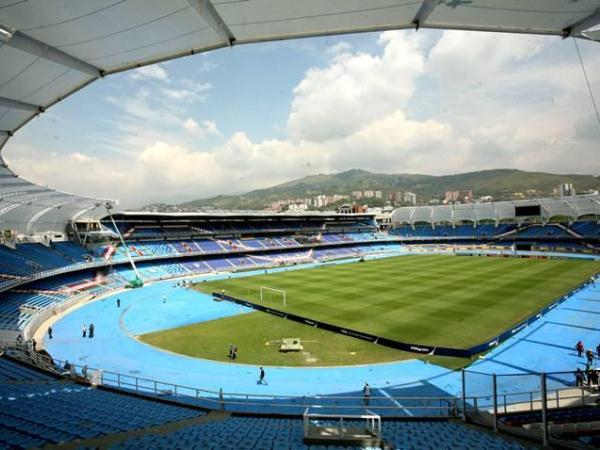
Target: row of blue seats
(585, 229)
(234, 227)
(170, 248)
(481, 231)
(568, 415)
(13, 318)
(12, 371)
(39, 410)
(245, 433)
(30, 258)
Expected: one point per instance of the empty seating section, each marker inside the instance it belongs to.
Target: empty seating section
(31, 258)
(72, 251)
(252, 243)
(215, 227)
(489, 231)
(13, 318)
(219, 264)
(197, 267)
(543, 231)
(586, 229)
(36, 409)
(556, 416)
(11, 371)
(441, 436)
(209, 246)
(247, 433)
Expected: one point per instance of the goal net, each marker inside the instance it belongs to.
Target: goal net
(267, 293)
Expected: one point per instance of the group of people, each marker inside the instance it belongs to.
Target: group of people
(589, 353)
(87, 332)
(589, 376)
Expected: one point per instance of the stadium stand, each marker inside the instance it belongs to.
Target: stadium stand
(243, 433)
(37, 409)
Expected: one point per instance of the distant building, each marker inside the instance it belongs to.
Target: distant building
(337, 198)
(451, 196)
(368, 194)
(465, 196)
(566, 190)
(297, 207)
(378, 194)
(410, 198)
(359, 209)
(345, 209)
(357, 194)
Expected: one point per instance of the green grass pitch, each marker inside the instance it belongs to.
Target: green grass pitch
(436, 300)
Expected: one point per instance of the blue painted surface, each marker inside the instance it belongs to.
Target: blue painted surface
(545, 345)
(144, 311)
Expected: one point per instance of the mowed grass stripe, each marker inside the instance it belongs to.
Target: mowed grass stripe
(433, 299)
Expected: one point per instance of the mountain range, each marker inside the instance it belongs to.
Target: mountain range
(501, 184)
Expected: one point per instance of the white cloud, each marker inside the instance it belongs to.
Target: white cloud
(409, 106)
(460, 59)
(190, 92)
(154, 72)
(201, 130)
(356, 88)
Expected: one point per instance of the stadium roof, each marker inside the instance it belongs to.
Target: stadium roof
(571, 207)
(51, 49)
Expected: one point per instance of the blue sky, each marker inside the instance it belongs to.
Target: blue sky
(251, 116)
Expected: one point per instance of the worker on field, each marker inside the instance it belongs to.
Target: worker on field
(366, 394)
(91, 330)
(261, 377)
(83, 331)
(590, 356)
(579, 347)
(49, 332)
(118, 303)
(579, 378)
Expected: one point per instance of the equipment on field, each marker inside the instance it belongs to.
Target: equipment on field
(263, 294)
(291, 345)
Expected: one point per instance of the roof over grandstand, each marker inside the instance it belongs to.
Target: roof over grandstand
(51, 49)
(218, 214)
(572, 208)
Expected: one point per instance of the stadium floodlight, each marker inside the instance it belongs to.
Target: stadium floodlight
(6, 33)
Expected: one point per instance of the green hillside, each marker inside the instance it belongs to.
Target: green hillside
(499, 183)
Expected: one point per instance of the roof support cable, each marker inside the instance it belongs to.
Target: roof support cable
(587, 81)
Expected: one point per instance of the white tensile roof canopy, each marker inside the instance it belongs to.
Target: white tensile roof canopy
(52, 48)
(573, 208)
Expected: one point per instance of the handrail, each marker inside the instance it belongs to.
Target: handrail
(421, 406)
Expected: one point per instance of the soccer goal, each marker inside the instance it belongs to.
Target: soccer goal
(270, 293)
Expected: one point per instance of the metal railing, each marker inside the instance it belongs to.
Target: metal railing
(372, 422)
(492, 403)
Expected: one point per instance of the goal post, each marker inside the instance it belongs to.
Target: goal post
(264, 291)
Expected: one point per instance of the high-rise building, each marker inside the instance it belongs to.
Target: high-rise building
(410, 198)
(566, 190)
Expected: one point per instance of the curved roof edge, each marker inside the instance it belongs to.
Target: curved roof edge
(571, 207)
